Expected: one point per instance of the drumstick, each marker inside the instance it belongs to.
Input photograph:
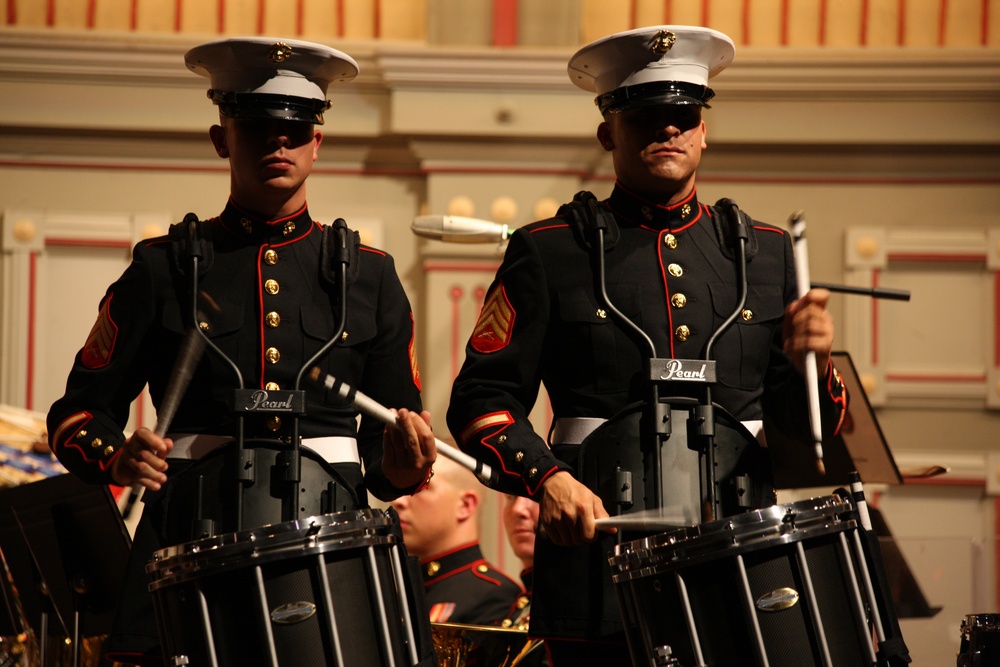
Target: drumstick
(374, 409)
(651, 519)
(188, 356)
(798, 225)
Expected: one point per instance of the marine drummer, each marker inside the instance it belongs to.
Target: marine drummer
(669, 268)
(278, 303)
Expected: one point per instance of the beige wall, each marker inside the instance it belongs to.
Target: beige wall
(102, 141)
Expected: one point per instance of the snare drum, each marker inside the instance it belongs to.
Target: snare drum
(325, 590)
(777, 586)
(980, 641)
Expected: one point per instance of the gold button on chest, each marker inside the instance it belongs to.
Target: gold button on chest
(682, 333)
(271, 286)
(670, 241)
(676, 270)
(482, 569)
(678, 300)
(272, 319)
(272, 386)
(433, 568)
(270, 257)
(747, 314)
(273, 423)
(272, 355)
(601, 313)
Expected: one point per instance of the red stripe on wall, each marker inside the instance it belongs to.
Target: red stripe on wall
(133, 19)
(984, 38)
(300, 17)
(377, 19)
(340, 18)
(260, 17)
(864, 22)
(942, 22)
(745, 20)
(505, 22)
(178, 14)
(632, 14)
(821, 37)
(667, 13)
(901, 22)
(91, 13)
(50, 13)
(783, 22)
(220, 18)
(935, 257)
(705, 13)
(30, 352)
(11, 12)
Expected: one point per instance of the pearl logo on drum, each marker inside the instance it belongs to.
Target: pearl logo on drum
(293, 612)
(684, 370)
(778, 599)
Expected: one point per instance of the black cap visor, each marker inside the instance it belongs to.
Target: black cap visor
(657, 92)
(269, 106)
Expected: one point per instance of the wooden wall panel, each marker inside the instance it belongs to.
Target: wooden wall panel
(68, 14)
(28, 13)
(765, 25)
(727, 16)
(112, 15)
(551, 23)
(155, 16)
(957, 19)
(882, 21)
(360, 19)
(321, 19)
(199, 16)
(240, 17)
(920, 24)
(687, 13)
(842, 25)
(651, 12)
(281, 18)
(403, 20)
(604, 17)
(803, 24)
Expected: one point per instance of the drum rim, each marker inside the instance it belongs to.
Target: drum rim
(771, 526)
(308, 536)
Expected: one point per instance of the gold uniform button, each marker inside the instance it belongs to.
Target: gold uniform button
(679, 300)
(601, 313)
(273, 423)
(675, 270)
(289, 228)
(433, 568)
(670, 241)
(685, 211)
(272, 355)
(272, 319)
(271, 286)
(203, 325)
(109, 450)
(270, 257)
(682, 333)
(81, 433)
(96, 443)
(272, 386)
(519, 457)
(482, 569)
(523, 601)
(506, 623)
(247, 225)
(343, 336)
(532, 473)
(747, 314)
(502, 439)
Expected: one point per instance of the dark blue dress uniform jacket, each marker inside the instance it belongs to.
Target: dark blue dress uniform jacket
(542, 322)
(275, 310)
(277, 306)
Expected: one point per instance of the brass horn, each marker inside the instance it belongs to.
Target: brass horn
(500, 647)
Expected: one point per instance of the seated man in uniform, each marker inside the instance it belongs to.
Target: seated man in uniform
(441, 527)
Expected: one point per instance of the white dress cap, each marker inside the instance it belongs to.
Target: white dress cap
(265, 77)
(664, 64)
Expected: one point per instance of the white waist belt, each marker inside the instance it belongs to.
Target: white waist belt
(573, 430)
(332, 449)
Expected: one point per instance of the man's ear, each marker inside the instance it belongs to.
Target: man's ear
(604, 136)
(318, 137)
(468, 503)
(704, 136)
(218, 136)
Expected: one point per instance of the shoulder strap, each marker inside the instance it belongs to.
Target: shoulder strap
(586, 215)
(191, 238)
(333, 253)
(729, 220)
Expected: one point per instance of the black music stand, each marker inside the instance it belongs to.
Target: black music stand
(860, 445)
(66, 546)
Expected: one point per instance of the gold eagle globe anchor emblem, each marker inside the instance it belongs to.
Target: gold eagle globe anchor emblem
(663, 42)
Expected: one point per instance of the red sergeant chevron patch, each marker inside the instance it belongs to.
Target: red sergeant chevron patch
(496, 321)
(100, 343)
